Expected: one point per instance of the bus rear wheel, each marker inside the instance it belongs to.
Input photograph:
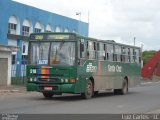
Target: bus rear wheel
(48, 95)
(89, 90)
(123, 90)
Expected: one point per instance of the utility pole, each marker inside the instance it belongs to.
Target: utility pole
(79, 23)
(88, 22)
(134, 41)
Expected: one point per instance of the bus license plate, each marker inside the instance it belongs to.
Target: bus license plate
(47, 88)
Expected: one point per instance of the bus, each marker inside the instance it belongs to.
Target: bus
(71, 63)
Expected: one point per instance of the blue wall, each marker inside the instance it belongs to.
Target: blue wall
(9, 8)
(22, 12)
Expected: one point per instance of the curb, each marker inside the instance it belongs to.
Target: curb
(12, 89)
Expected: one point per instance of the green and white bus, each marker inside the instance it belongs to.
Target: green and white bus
(71, 63)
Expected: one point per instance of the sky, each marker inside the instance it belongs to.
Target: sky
(121, 20)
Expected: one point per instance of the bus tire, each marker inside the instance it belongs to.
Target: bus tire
(89, 90)
(48, 95)
(123, 90)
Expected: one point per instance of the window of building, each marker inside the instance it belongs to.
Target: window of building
(66, 30)
(38, 27)
(12, 28)
(73, 30)
(26, 27)
(58, 29)
(37, 30)
(13, 25)
(23, 49)
(13, 59)
(24, 59)
(25, 30)
(48, 28)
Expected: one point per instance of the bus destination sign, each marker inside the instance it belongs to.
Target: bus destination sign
(50, 37)
(58, 37)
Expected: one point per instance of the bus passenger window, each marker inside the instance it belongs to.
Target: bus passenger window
(91, 52)
(110, 52)
(123, 54)
(132, 55)
(139, 51)
(100, 51)
(114, 57)
(107, 56)
(82, 50)
(117, 54)
(137, 55)
(122, 58)
(129, 57)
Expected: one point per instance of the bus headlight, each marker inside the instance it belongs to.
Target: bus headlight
(30, 79)
(33, 79)
(66, 80)
(62, 80)
(33, 71)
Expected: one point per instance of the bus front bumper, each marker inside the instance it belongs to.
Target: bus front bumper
(58, 88)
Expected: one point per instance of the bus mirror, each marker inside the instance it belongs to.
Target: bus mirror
(81, 47)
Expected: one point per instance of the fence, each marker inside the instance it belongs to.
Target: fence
(18, 72)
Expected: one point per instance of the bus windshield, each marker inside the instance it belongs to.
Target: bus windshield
(52, 53)
(62, 53)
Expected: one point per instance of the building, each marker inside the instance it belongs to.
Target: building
(17, 21)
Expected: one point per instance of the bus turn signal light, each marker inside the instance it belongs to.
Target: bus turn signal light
(72, 80)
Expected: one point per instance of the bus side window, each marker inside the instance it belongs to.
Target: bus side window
(129, 57)
(123, 54)
(101, 51)
(139, 51)
(115, 54)
(105, 54)
(132, 58)
(91, 50)
(137, 56)
(118, 52)
(110, 52)
(82, 50)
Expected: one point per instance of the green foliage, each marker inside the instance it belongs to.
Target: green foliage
(147, 55)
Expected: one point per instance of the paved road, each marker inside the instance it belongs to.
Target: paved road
(141, 99)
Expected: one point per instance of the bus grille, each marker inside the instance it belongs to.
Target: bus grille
(49, 80)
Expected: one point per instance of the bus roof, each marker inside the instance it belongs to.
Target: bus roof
(86, 38)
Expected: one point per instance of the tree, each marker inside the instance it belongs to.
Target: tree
(147, 55)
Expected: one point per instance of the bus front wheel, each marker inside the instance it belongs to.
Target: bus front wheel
(48, 95)
(89, 90)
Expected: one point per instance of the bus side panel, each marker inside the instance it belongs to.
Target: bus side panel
(80, 85)
(103, 83)
(85, 72)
